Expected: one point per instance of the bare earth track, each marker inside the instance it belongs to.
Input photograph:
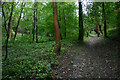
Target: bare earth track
(96, 58)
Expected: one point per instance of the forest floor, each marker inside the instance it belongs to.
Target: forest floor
(95, 58)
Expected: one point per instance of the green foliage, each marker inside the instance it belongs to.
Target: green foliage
(30, 60)
(27, 59)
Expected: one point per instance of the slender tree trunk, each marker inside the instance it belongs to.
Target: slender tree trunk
(97, 29)
(22, 33)
(56, 26)
(64, 22)
(8, 30)
(81, 31)
(36, 25)
(59, 14)
(105, 29)
(89, 29)
(18, 21)
(97, 26)
(100, 26)
(3, 13)
(11, 28)
(59, 23)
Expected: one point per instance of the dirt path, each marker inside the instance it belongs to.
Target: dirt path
(96, 58)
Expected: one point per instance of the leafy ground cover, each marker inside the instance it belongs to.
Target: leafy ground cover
(30, 60)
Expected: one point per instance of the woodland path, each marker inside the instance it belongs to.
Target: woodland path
(96, 58)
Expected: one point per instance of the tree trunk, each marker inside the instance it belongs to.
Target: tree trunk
(31, 32)
(11, 28)
(59, 23)
(105, 29)
(97, 27)
(3, 13)
(59, 14)
(8, 30)
(100, 26)
(89, 29)
(64, 22)
(36, 25)
(18, 21)
(56, 26)
(22, 32)
(81, 32)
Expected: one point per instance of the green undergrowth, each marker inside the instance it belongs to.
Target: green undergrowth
(112, 33)
(27, 60)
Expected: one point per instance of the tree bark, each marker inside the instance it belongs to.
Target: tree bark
(97, 27)
(11, 28)
(105, 29)
(18, 21)
(36, 25)
(59, 14)
(89, 29)
(8, 30)
(59, 23)
(56, 27)
(22, 33)
(3, 13)
(81, 32)
(64, 22)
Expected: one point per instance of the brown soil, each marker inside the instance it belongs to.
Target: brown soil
(95, 58)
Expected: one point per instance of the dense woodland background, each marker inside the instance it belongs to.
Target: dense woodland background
(36, 34)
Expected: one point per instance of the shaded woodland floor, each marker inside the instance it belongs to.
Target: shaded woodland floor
(95, 58)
